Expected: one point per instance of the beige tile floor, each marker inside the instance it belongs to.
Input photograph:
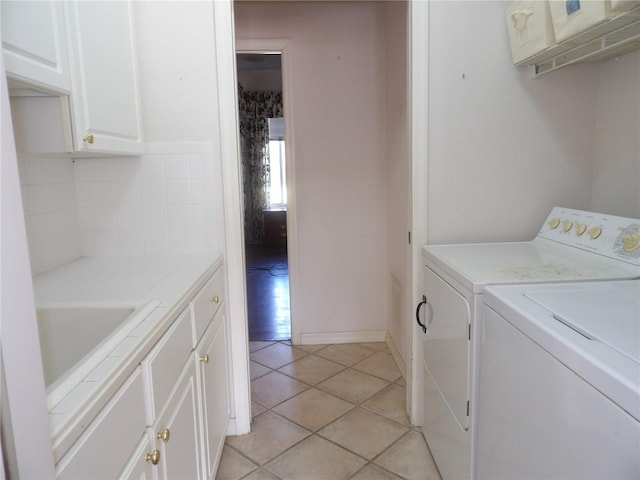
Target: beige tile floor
(326, 412)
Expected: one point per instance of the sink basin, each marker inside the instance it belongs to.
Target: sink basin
(75, 338)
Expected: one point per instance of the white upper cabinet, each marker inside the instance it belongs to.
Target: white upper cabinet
(34, 44)
(105, 103)
(85, 52)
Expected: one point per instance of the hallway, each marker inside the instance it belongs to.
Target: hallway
(267, 293)
(326, 412)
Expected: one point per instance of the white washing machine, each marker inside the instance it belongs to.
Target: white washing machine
(571, 245)
(559, 383)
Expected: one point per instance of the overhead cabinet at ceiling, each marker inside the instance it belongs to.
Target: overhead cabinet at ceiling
(556, 33)
(84, 52)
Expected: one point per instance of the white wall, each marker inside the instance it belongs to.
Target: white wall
(616, 181)
(337, 77)
(503, 147)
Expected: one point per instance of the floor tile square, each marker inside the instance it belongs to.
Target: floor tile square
(371, 472)
(316, 459)
(256, 370)
(363, 432)
(353, 386)
(256, 409)
(261, 474)
(312, 369)
(346, 353)
(311, 348)
(270, 436)
(410, 458)
(391, 403)
(378, 346)
(233, 465)
(275, 387)
(254, 346)
(381, 365)
(313, 409)
(277, 355)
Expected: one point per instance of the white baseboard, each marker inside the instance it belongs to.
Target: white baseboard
(402, 366)
(232, 430)
(343, 337)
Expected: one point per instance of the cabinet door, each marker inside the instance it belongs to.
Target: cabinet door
(104, 448)
(105, 101)
(34, 44)
(140, 466)
(214, 394)
(176, 429)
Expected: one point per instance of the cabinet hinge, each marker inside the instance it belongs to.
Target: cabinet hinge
(409, 237)
(469, 332)
(467, 408)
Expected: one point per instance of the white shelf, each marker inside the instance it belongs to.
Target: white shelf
(613, 37)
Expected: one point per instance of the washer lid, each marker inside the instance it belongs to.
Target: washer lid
(609, 314)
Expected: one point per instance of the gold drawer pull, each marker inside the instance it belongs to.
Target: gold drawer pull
(204, 358)
(215, 299)
(164, 435)
(153, 457)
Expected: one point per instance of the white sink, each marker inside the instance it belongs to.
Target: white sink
(75, 338)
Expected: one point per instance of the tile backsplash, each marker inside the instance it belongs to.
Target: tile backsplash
(165, 201)
(49, 199)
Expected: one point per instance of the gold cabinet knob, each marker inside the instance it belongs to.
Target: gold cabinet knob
(88, 138)
(594, 232)
(580, 228)
(164, 435)
(153, 457)
(554, 222)
(215, 299)
(566, 225)
(204, 358)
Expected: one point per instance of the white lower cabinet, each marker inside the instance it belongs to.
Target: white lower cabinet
(169, 419)
(188, 409)
(214, 396)
(176, 430)
(106, 445)
(140, 466)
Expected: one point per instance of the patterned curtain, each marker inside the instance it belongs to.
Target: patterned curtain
(255, 108)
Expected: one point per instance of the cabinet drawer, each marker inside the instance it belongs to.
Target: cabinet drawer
(108, 442)
(164, 363)
(206, 304)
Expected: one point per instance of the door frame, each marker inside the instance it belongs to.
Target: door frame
(418, 43)
(281, 47)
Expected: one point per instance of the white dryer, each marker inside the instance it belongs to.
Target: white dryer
(572, 245)
(559, 384)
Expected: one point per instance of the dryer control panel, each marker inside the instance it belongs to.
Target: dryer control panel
(608, 235)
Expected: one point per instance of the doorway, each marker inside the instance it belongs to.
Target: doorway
(264, 180)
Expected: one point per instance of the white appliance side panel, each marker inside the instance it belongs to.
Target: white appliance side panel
(446, 364)
(537, 419)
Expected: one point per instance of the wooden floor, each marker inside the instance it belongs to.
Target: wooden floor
(268, 293)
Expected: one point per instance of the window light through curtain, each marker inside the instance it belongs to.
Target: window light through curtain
(277, 172)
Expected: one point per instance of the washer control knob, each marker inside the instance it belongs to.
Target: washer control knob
(580, 228)
(554, 222)
(594, 232)
(631, 242)
(566, 225)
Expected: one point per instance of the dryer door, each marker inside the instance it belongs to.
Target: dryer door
(446, 348)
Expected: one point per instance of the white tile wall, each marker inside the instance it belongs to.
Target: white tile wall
(49, 198)
(166, 201)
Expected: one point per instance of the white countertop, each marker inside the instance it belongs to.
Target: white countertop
(167, 280)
